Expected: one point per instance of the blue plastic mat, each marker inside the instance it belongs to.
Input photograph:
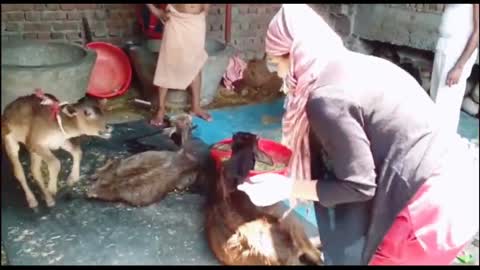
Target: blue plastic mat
(468, 126)
(250, 118)
(242, 118)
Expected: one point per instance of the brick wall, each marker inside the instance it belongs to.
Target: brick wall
(248, 29)
(216, 22)
(108, 22)
(116, 23)
(250, 22)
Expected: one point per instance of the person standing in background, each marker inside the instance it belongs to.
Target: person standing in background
(182, 55)
(455, 55)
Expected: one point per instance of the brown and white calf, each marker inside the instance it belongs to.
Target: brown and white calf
(42, 124)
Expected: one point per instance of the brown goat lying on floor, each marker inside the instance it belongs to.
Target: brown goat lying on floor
(238, 232)
(42, 124)
(147, 177)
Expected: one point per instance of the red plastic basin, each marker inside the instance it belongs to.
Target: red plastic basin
(112, 73)
(278, 152)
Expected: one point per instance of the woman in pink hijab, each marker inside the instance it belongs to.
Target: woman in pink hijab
(398, 181)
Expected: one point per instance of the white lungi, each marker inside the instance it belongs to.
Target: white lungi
(455, 30)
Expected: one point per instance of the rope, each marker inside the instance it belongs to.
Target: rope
(55, 107)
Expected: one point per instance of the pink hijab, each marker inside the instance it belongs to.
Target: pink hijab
(299, 31)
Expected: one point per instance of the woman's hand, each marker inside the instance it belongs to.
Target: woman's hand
(267, 189)
(454, 76)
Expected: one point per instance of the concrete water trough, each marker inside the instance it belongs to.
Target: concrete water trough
(144, 60)
(59, 68)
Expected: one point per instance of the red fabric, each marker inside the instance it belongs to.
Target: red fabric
(431, 230)
(149, 30)
(54, 107)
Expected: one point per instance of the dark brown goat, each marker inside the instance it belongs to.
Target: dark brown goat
(238, 232)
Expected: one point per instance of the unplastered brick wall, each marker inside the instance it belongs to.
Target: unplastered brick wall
(250, 23)
(248, 28)
(216, 22)
(108, 22)
(116, 23)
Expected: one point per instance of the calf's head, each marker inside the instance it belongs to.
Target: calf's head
(103, 188)
(87, 118)
(179, 129)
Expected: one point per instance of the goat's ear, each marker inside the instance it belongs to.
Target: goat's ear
(69, 110)
(263, 157)
(102, 104)
(169, 131)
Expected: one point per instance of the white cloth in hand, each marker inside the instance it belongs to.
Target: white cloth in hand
(267, 189)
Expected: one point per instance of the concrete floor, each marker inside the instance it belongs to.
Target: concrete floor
(123, 110)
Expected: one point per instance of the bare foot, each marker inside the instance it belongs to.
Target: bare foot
(157, 120)
(202, 114)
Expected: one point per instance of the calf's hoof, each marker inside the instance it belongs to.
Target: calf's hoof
(52, 191)
(71, 180)
(32, 203)
(50, 202)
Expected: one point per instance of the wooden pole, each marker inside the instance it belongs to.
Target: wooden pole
(228, 22)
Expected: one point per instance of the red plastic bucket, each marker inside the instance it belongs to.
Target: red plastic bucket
(111, 74)
(278, 152)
